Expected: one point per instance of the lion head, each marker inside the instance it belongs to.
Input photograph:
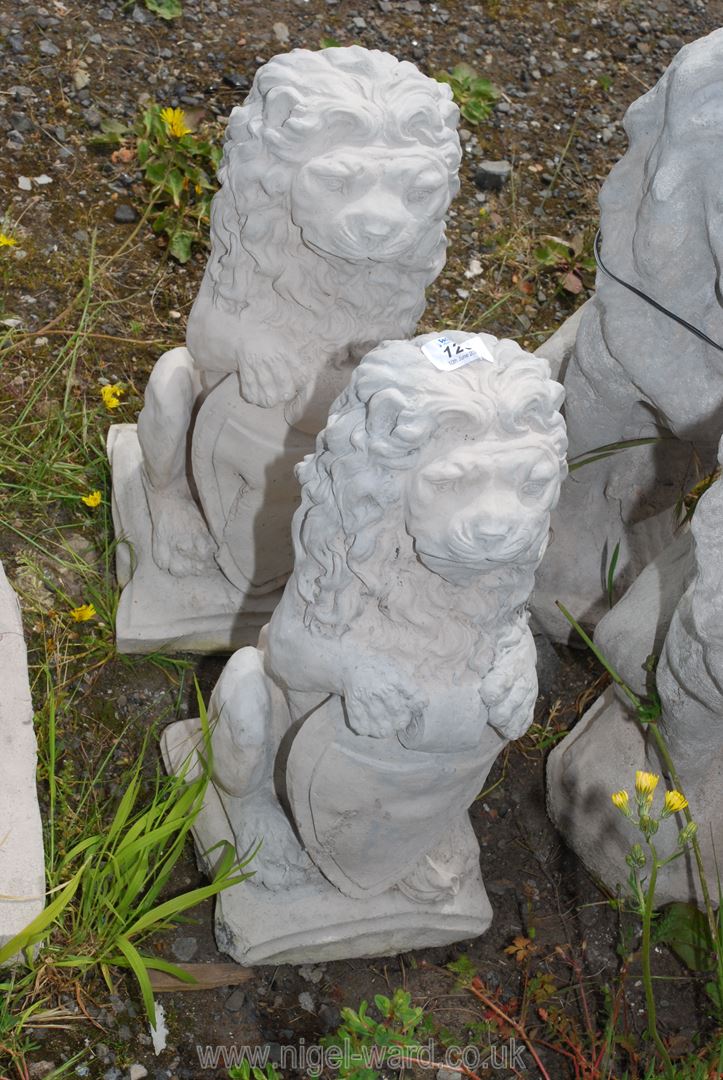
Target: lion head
(432, 484)
(661, 225)
(329, 223)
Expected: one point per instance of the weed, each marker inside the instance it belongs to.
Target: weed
(107, 873)
(165, 9)
(474, 95)
(178, 167)
(566, 260)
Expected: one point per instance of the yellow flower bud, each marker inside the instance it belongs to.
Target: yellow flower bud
(621, 801)
(675, 801)
(646, 783)
(687, 834)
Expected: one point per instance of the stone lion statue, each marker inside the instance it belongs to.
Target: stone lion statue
(635, 372)
(328, 226)
(607, 745)
(399, 661)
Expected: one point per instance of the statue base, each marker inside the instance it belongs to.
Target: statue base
(159, 612)
(600, 756)
(314, 922)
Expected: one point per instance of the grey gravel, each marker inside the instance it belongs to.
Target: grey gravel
(47, 48)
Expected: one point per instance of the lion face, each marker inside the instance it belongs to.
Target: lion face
(370, 203)
(474, 505)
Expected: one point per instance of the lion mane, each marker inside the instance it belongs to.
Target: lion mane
(355, 563)
(302, 104)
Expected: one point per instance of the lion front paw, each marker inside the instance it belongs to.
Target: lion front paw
(271, 377)
(380, 708)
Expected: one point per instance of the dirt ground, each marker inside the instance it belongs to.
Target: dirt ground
(566, 71)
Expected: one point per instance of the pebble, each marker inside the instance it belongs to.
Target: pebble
(311, 974)
(40, 1069)
(25, 183)
(20, 121)
(47, 48)
(137, 1072)
(235, 1001)
(238, 82)
(92, 117)
(43, 179)
(184, 948)
(492, 175)
(307, 1002)
(125, 214)
(281, 32)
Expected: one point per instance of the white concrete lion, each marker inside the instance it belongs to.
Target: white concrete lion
(398, 663)
(329, 224)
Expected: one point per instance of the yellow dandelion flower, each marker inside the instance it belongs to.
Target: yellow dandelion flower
(621, 800)
(175, 121)
(94, 499)
(646, 783)
(675, 801)
(7, 241)
(83, 613)
(111, 395)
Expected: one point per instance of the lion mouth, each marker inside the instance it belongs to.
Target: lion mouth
(478, 557)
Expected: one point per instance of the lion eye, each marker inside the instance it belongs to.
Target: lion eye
(419, 195)
(444, 482)
(533, 488)
(333, 183)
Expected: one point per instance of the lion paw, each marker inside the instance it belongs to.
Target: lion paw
(264, 831)
(270, 378)
(182, 544)
(381, 707)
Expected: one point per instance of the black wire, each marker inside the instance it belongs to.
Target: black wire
(648, 299)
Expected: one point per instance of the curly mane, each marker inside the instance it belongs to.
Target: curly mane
(353, 556)
(657, 208)
(301, 104)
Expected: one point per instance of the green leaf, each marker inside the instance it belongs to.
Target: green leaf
(156, 172)
(181, 245)
(610, 583)
(136, 963)
(475, 111)
(166, 9)
(36, 929)
(685, 929)
(174, 183)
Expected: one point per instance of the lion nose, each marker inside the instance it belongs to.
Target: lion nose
(376, 229)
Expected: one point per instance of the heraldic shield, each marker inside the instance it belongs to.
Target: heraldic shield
(367, 809)
(248, 509)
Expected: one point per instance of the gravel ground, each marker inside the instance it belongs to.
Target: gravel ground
(566, 71)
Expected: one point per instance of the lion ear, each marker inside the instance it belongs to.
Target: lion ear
(279, 104)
